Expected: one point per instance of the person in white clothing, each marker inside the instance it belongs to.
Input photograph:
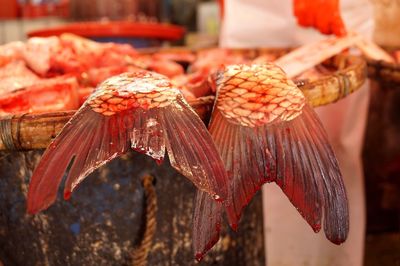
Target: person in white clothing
(289, 239)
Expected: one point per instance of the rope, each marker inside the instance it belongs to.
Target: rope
(139, 254)
(6, 133)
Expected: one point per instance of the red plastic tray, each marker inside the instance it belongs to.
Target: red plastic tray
(115, 29)
(8, 9)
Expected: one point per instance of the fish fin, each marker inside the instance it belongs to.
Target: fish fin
(308, 173)
(92, 139)
(147, 135)
(48, 174)
(206, 223)
(192, 151)
(336, 210)
(106, 138)
(247, 160)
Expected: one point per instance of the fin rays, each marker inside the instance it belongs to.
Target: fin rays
(206, 223)
(94, 139)
(294, 154)
(189, 141)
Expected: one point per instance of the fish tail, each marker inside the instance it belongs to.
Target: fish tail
(309, 174)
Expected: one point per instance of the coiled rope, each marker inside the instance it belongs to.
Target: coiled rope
(140, 253)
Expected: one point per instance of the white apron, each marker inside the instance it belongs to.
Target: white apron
(289, 239)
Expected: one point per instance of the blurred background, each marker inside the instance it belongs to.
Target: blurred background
(200, 18)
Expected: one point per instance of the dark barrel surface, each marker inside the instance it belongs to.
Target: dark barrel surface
(104, 219)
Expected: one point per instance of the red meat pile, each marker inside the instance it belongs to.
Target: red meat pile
(58, 73)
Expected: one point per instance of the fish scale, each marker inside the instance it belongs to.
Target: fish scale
(127, 92)
(257, 94)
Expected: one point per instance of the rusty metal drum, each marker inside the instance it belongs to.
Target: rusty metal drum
(104, 220)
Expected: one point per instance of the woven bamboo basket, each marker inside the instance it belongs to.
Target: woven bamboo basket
(107, 217)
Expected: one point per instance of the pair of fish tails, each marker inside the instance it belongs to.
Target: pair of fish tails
(95, 136)
(261, 131)
(296, 155)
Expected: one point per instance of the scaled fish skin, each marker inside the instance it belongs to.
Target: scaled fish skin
(252, 96)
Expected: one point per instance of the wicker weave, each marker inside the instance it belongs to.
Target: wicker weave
(350, 77)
